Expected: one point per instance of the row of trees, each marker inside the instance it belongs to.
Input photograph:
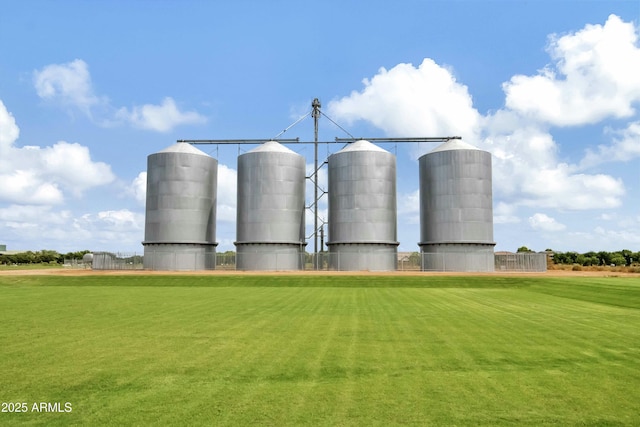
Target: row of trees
(40, 257)
(619, 258)
(624, 257)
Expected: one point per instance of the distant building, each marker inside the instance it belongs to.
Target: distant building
(3, 248)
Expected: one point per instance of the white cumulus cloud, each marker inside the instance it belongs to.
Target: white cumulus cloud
(138, 188)
(27, 187)
(38, 226)
(159, 118)
(408, 100)
(594, 76)
(624, 147)
(114, 230)
(429, 101)
(122, 219)
(9, 131)
(70, 85)
(40, 175)
(33, 214)
(630, 237)
(505, 213)
(71, 165)
(542, 222)
(559, 188)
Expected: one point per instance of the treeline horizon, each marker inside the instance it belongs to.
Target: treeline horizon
(44, 256)
(624, 257)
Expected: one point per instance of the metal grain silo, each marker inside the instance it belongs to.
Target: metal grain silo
(270, 229)
(456, 208)
(362, 208)
(180, 223)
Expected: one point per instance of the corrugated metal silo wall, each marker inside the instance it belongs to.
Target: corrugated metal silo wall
(270, 225)
(362, 211)
(456, 211)
(180, 223)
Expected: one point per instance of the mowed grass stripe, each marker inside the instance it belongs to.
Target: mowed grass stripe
(288, 341)
(535, 352)
(284, 281)
(292, 355)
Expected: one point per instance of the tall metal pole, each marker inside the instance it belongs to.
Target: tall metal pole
(316, 116)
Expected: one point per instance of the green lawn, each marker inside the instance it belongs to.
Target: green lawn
(39, 266)
(339, 350)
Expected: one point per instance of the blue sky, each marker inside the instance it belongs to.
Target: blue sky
(89, 89)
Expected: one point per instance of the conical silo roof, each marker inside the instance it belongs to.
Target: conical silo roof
(183, 147)
(362, 145)
(271, 147)
(454, 144)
